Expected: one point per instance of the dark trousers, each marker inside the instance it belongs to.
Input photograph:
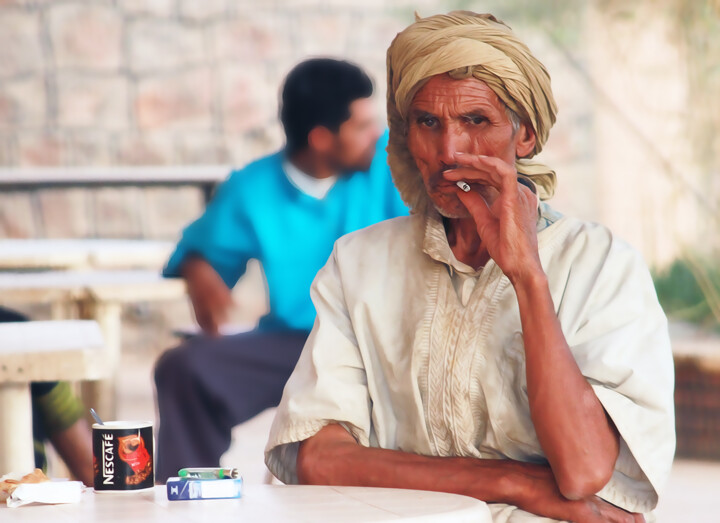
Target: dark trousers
(206, 386)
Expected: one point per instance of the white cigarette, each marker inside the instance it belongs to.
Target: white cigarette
(463, 185)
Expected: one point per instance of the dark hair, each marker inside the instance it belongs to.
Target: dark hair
(319, 92)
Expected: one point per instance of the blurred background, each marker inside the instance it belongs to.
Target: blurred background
(132, 84)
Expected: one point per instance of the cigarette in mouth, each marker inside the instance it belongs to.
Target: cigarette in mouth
(463, 185)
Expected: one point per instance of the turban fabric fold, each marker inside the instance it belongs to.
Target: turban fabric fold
(465, 44)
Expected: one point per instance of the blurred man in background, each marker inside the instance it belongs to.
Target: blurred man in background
(286, 210)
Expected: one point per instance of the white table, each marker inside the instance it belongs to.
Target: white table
(40, 351)
(266, 504)
(24, 254)
(96, 295)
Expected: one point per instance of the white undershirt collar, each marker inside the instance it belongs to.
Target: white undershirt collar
(315, 187)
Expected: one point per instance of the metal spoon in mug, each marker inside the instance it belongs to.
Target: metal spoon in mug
(95, 415)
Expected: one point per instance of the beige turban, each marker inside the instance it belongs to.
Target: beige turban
(465, 44)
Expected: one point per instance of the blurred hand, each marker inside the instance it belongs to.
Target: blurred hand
(210, 297)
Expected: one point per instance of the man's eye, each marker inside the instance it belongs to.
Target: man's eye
(476, 120)
(428, 121)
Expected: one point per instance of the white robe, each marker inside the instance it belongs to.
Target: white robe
(405, 361)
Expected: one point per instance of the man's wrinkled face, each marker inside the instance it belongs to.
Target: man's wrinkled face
(356, 138)
(448, 116)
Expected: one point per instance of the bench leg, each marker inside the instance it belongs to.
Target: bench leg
(63, 310)
(102, 394)
(16, 436)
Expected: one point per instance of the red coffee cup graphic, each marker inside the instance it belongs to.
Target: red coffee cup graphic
(123, 456)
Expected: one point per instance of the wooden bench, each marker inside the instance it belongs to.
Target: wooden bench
(40, 351)
(92, 295)
(37, 254)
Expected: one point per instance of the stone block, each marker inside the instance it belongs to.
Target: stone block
(376, 36)
(160, 8)
(8, 150)
(248, 100)
(40, 149)
(202, 148)
(177, 101)
(254, 38)
(144, 149)
(22, 103)
(331, 34)
(202, 11)
(16, 215)
(160, 45)
(238, 151)
(88, 148)
(118, 212)
(92, 102)
(20, 46)
(169, 210)
(65, 213)
(86, 36)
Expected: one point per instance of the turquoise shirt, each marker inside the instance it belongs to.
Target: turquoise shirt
(258, 213)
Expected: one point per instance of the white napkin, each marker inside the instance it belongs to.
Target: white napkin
(47, 492)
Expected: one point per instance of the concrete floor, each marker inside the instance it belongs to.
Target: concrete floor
(691, 494)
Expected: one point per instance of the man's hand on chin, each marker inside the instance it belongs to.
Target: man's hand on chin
(507, 223)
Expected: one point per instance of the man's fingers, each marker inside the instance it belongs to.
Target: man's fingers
(220, 313)
(482, 162)
(478, 208)
(503, 172)
(207, 324)
(615, 514)
(530, 199)
(473, 175)
(225, 300)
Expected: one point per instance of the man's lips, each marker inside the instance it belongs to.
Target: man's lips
(446, 186)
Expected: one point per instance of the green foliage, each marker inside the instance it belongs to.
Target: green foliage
(682, 297)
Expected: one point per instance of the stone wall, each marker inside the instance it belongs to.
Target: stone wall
(131, 82)
(190, 82)
(183, 82)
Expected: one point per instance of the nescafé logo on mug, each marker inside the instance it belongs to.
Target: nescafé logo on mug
(123, 456)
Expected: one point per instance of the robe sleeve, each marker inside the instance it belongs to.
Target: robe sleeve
(329, 383)
(620, 341)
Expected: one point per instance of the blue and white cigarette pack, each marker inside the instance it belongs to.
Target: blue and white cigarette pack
(183, 489)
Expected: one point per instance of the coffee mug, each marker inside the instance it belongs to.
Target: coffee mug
(123, 456)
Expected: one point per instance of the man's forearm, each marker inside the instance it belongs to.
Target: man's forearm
(333, 457)
(579, 440)
(190, 263)
(326, 461)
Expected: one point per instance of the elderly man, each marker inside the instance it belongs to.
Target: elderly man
(486, 345)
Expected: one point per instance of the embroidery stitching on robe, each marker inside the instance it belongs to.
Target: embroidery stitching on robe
(430, 346)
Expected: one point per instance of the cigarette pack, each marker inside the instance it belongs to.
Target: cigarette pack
(183, 489)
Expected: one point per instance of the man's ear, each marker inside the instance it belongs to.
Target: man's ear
(524, 141)
(320, 139)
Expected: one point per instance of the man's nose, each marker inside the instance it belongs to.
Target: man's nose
(452, 140)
